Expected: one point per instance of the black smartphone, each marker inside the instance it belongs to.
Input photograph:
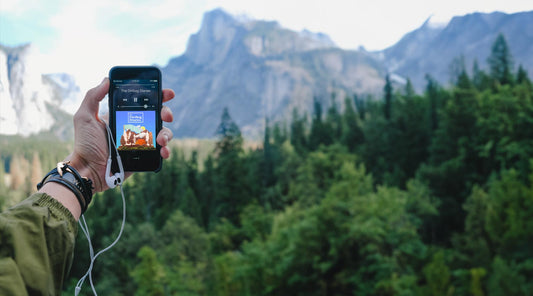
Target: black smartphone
(135, 101)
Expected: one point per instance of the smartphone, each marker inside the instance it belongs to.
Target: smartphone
(135, 101)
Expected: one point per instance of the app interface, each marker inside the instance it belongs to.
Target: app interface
(135, 121)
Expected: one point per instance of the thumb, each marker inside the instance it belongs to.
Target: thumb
(93, 97)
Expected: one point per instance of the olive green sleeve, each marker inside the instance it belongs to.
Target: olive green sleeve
(36, 246)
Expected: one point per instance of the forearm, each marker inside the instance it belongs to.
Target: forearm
(36, 246)
(63, 195)
(74, 198)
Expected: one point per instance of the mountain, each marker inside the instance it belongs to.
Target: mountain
(259, 70)
(32, 102)
(431, 49)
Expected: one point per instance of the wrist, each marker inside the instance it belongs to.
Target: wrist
(67, 176)
(85, 170)
(63, 195)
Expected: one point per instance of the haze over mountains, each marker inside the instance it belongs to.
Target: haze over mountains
(31, 101)
(260, 70)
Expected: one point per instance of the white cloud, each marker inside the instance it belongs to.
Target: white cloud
(18, 7)
(94, 36)
(375, 24)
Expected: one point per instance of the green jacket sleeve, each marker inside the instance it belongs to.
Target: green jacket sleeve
(36, 246)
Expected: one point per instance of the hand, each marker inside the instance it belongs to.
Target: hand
(90, 136)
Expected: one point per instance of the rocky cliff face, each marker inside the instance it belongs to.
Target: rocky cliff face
(259, 70)
(30, 101)
(433, 49)
(8, 116)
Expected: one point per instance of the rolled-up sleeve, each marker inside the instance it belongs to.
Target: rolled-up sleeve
(36, 246)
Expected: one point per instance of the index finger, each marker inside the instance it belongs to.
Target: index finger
(168, 95)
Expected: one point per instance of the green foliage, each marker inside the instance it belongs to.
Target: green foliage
(500, 61)
(505, 280)
(230, 189)
(316, 174)
(323, 132)
(415, 194)
(477, 275)
(352, 135)
(522, 77)
(387, 107)
(298, 137)
(479, 78)
(508, 218)
(360, 106)
(256, 222)
(184, 249)
(474, 243)
(148, 274)
(325, 248)
(437, 276)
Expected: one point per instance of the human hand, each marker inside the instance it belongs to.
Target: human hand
(90, 139)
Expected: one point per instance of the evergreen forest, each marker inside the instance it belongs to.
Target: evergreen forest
(410, 194)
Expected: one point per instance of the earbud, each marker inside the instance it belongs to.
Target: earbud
(116, 179)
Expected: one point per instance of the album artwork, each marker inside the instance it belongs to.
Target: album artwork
(138, 130)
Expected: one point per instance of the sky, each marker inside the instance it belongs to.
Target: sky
(86, 38)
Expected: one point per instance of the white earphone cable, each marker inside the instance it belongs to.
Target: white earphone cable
(84, 227)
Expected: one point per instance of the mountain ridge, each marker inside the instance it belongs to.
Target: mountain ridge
(253, 69)
(260, 70)
(433, 50)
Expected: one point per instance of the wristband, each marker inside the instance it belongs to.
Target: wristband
(67, 176)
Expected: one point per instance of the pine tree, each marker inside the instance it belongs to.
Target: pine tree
(388, 97)
(318, 134)
(522, 77)
(333, 123)
(432, 92)
(352, 135)
(279, 133)
(268, 158)
(460, 75)
(207, 193)
(500, 61)
(231, 190)
(409, 89)
(192, 171)
(463, 81)
(479, 77)
(360, 106)
(297, 136)
(229, 134)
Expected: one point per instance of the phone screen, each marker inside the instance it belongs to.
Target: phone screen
(135, 115)
(135, 105)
